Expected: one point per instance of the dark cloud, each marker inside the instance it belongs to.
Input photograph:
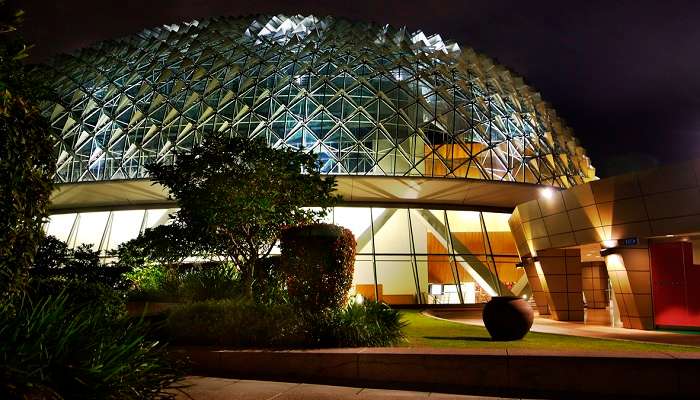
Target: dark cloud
(625, 74)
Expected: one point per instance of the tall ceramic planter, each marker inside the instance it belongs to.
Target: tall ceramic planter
(507, 318)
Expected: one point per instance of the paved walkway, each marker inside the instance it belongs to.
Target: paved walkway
(547, 325)
(207, 388)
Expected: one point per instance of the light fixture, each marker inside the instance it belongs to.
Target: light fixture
(669, 235)
(609, 244)
(547, 193)
(607, 252)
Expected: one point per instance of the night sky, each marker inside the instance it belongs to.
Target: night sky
(624, 74)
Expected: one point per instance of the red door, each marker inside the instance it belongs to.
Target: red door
(673, 279)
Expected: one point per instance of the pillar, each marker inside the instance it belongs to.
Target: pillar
(559, 271)
(594, 282)
(630, 276)
(536, 286)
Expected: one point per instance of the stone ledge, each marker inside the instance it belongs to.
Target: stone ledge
(569, 374)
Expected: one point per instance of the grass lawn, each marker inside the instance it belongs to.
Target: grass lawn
(423, 331)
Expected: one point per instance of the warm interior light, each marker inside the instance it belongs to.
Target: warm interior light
(669, 235)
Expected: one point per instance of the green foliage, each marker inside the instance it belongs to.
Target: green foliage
(154, 282)
(79, 294)
(269, 286)
(241, 322)
(194, 283)
(27, 160)
(53, 350)
(318, 261)
(359, 324)
(235, 322)
(54, 260)
(164, 244)
(210, 282)
(237, 194)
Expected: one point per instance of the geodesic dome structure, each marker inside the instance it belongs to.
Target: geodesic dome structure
(368, 99)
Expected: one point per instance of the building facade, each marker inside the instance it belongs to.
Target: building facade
(433, 145)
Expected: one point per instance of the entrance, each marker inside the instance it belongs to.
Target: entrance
(675, 280)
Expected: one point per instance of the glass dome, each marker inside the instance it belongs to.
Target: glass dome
(368, 99)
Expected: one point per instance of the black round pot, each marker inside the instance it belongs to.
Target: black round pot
(507, 317)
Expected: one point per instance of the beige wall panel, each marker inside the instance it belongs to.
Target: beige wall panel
(676, 203)
(578, 196)
(640, 282)
(636, 259)
(552, 205)
(676, 226)
(667, 178)
(636, 229)
(557, 223)
(541, 243)
(622, 211)
(529, 211)
(615, 188)
(535, 228)
(563, 240)
(594, 235)
(584, 218)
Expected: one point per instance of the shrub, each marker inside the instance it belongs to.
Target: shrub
(55, 260)
(318, 261)
(154, 282)
(359, 324)
(269, 286)
(80, 294)
(27, 158)
(234, 322)
(53, 350)
(210, 282)
(192, 283)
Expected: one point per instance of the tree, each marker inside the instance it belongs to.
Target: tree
(237, 194)
(27, 160)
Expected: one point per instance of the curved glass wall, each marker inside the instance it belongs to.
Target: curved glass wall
(404, 256)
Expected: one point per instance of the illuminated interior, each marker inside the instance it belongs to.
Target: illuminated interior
(404, 256)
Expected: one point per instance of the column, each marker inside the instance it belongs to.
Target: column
(537, 292)
(630, 277)
(559, 271)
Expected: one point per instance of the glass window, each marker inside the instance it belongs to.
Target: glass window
(91, 228)
(126, 225)
(60, 225)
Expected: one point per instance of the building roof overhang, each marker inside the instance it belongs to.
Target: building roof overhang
(452, 193)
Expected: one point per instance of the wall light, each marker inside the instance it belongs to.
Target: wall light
(547, 193)
(609, 244)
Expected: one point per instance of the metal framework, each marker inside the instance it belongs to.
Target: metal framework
(368, 99)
